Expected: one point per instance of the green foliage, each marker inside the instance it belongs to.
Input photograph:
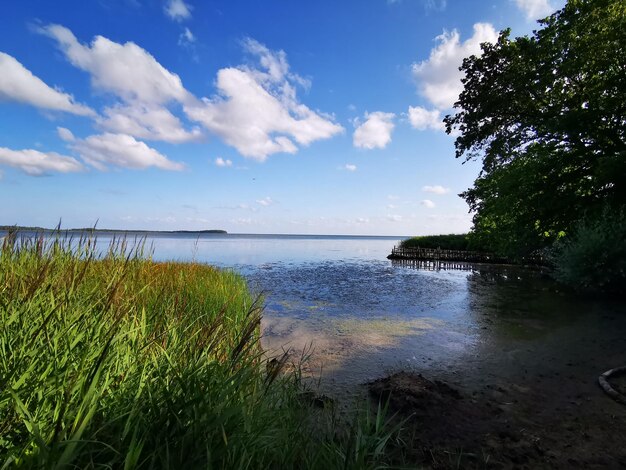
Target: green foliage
(445, 242)
(593, 258)
(465, 241)
(546, 115)
(117, 361)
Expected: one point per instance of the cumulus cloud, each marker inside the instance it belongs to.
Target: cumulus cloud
(177, 10)
(266, 201)
(438, 78)
(121, 150)
(126, 69)
(349, 167)
(394, 218)
(147, 122)
(535, 9)
(36, 163)
(257, 110)
(143, 111)
(221, 162)
(438, 189)
(375, 131)
(19, 84)
(427, 203)
(422, 118)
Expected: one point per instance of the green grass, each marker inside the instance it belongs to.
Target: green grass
(116, 361)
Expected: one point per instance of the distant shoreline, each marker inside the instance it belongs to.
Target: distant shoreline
(6, 228)
(19, 228)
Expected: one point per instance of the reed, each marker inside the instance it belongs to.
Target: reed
(109, 359)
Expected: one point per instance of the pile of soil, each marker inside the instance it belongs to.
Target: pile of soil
(499, 426)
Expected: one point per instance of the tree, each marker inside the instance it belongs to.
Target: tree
(546, 114)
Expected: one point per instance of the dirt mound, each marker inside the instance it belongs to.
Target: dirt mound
(443, 428)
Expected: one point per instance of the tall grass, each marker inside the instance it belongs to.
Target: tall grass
(114, 361)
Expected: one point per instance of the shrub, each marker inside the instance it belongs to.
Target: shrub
(593, 258)
(445, 242)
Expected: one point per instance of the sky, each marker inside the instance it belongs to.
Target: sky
(304, 117)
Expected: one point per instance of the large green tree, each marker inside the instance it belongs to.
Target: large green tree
(546, 114)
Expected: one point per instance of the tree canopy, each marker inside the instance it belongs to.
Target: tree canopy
(546, 114)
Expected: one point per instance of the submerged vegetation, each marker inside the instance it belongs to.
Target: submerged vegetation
(114, 360)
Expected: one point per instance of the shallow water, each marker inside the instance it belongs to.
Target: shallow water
(357, 316)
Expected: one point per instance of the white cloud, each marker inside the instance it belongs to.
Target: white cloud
(535, 9)
(126, 70)
(65, 134)
(147, 122)
(427, 203)
(422, 119)
(391, 206)
(256, 110)
(266, 201)
(393, 197)
(362, 220)
(436, 5)
(242, 221)
(19, 84)
(129, 72)
(436, 189)
(121, 150)
(394, 218)
(219, 161)
(245, 207)
(375, 132)
(349, 167)
(186, 37)
(438, 78)
(177, 10)
(36, 163)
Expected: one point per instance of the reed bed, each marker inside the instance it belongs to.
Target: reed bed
(109, 360)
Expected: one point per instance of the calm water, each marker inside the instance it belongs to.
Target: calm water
(358, 316)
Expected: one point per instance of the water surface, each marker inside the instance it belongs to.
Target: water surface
(357, 315)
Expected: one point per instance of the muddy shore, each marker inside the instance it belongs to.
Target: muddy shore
(533, 407)
(515, 361)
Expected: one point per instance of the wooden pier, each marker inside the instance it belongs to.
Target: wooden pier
(437, 254)
(449, 259)
(434, 265)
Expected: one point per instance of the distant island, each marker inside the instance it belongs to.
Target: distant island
(19, 228)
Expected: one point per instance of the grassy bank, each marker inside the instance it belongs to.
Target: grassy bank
(119, 361)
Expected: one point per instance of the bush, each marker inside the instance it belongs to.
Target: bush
(445, 242)
(593, 258)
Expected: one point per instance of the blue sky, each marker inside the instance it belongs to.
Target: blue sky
(254, 117)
